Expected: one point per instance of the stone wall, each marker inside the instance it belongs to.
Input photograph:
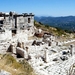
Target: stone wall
(22, 22)
(18, 20)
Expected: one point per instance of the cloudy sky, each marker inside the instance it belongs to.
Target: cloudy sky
(40, 7)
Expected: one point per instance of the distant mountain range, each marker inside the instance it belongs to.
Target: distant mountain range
(65, 23)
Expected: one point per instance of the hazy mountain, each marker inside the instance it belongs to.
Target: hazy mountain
(66, 23)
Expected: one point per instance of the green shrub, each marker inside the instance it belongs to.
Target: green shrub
(26, 66)
(47, 26)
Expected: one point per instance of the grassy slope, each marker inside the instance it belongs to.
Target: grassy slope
(55, 31)
(9, 64)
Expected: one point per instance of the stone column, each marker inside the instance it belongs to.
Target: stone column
(11, 18)
(19, 44)
(72, 50)
(26, 49)
(46, 56)
(13, 48)
(25, 19)
(4, 16)
(49, 44)
(56, 43)
(23, 45)
(15, 16)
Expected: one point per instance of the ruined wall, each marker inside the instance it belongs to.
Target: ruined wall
(17, 22)
(7, 23)
(22, 22)
(31, 20)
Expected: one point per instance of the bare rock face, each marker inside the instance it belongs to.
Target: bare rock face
(4, 73)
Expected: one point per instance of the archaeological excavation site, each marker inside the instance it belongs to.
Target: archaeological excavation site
(42, 50)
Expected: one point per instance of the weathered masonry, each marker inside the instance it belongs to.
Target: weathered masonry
(12, 22)
(17, 20)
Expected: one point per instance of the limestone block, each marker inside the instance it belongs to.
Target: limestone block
(22, 52)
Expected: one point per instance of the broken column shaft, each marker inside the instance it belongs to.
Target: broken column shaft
(46, 56)
(72, 50)
(20, 44)
(12, 49)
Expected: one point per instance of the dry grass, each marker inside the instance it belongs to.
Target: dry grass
(54, 31)
(9, 64)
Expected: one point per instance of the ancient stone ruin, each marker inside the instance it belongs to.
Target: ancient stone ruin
(20, 38)
(11, 23)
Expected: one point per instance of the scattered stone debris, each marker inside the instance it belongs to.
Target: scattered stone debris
(46, 55)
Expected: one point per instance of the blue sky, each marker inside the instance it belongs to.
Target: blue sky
(40, 7)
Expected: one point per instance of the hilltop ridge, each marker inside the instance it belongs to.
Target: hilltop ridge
(63, 22)
(53, 30)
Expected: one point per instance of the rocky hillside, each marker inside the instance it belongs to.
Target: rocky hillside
(65, 23)
(53, 30)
